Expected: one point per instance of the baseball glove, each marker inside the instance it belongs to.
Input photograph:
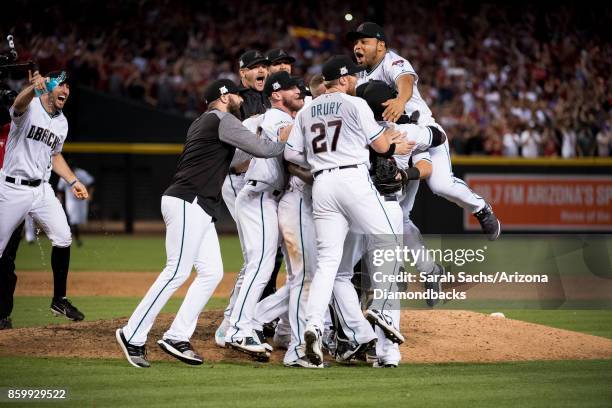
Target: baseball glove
(385, 176)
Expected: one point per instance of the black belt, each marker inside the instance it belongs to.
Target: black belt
(31, 183)
(390, 198)
(351, 166)
(275, 193)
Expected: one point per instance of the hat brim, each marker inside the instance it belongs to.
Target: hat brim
(287, 58)
(355, 35)
(258, 61)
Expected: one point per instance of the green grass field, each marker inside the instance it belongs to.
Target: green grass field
(97, 382)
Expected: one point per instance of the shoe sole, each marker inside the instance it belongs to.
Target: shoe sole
(314, 357)
(258, 355)
(295, 364)
(177, 354)
(118, 335)
(390, 332)
(58, 314)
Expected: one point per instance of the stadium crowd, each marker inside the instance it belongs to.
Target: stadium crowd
(503, 79)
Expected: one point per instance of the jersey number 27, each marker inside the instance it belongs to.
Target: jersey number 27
(319, 143)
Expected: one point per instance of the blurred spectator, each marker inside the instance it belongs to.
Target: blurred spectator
(604, 141)
(487, 70)
(530, 142)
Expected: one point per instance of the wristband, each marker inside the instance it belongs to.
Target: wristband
(413, 173)
(389, 152)
(74, 182)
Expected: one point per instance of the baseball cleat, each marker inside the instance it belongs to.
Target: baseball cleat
(270, 328)
(313, 346)
(252, 347)
(385, 364)
(386, 325)
(262, 340)
(63, 307)
(282, 341)
(302, 362)
(181, 350)
(348, 350)
(136, 355)
(488, 222)
(6, 323)
(220, 335)
(434, 287)
(329, 341)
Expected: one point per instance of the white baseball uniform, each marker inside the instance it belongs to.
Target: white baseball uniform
(232, 185)
(257, 220)
(76, 209)
(333, 134)
(441, 182)
(34, 137)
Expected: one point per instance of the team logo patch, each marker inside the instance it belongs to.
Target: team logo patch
(241, 63)
(223, 90)
(276, 86)
(398, 62)
(343, 71)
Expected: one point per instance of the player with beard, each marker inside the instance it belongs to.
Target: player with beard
(190, 206)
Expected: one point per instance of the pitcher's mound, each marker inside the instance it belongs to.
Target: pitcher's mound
(431, 337)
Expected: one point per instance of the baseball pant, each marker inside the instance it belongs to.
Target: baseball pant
(30, 229)
(346, 303)
(343, 198)
(257, 220)
(191, 240)
(231, 187)
(413, 239)
(40, 202)
(443, 183)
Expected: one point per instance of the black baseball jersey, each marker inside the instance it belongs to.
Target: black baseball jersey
(254, 103)
(211, 141)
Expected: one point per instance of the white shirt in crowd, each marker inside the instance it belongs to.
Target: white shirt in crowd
(568, 144)
(511, 143)
(530, 142)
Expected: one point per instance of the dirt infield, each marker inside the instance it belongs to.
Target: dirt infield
(431, 337)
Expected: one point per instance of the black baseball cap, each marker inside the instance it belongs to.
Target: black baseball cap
(277, 55)
(251, 58)
(367, 30)
(375, 94)
(279, 81)
(338, 66)
(215, 89)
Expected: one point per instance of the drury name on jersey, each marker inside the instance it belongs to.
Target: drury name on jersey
(44, 136)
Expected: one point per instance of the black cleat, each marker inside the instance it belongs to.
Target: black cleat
(136, 355)
(6, 323)
(181, 350)
(348, 350)
(488, 222)
(312, 336)
(62, 306)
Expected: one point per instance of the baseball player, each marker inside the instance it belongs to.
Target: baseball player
(370, 49)
(77, 210)
(190, 207)
(376, 93)
(253, 70)
(37, 133)
(257, 217)
(332, 138)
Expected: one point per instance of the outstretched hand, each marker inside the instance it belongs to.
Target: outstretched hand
(80, 191)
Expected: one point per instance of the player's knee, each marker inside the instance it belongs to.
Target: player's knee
(441, 186)
(61, 240)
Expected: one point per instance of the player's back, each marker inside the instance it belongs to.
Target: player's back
(337, 129)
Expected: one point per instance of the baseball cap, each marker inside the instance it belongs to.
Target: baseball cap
(279, 81)
(251, 58)
(338, 66)
(367, 30)
(277, 55)
(220, 87)
(375, 94)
